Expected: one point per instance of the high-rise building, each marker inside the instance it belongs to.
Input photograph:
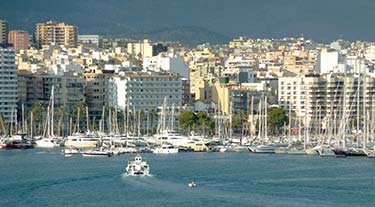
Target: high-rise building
(3, 32)
(96, 91)
(8, 83)
(19, 39)
(56, 33)
(323, 99)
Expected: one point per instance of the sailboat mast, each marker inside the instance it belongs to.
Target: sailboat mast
(109, 121)
(364, 110)
(265, 119)
(344, 117)
(260, 119)
(11, 123)
(358, 107)
(139, 123)
(290, 120)
(101, 125)
(31, 124)
(147, 123)
(252, 117)
(52, 110)
(305, 131)
(230, 118)
(23, 119)
(87, 119)
(172, 118)
(78, 113)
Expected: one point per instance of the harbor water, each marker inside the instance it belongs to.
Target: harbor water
(39, 177)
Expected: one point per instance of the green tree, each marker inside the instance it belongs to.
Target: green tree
(188, 120)
(205, 124)
(237, 122)
(38, 110)
(276, 117)
(73, 113)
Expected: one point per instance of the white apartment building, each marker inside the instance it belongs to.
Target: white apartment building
(321, 97)
(167, 62)
(90, 39)
(145, 91)
(8, 84)
(327, 61)
(234, 65)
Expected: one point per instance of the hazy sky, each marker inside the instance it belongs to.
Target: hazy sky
(322, 20)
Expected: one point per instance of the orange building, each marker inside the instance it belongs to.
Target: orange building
(19, 39)
(56, 33)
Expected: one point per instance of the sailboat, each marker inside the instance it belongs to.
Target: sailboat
(167, 134)
(48, 139)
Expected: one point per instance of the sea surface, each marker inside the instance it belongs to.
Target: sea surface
(46, 178)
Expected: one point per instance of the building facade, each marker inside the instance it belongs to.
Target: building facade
(19, 39)
(322, 101)
(3, 32)
(141, 49)
(8, 84)
(94, 40)
(56, 33)
(167, 62)
(96, 81)
(146, 91)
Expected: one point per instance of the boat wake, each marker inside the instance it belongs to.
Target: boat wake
(33, 185)
(125, 175)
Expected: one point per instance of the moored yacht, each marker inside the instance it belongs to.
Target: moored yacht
(165, 149)
(18, 141)
(267, 148)
(81, 141)
(370, 152)
(312, 151)
(326, 151)
(296, 151)
(45, 143)
(175, 138)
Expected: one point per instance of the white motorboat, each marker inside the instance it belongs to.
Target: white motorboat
(192, 184)
(97, 153)
(281, 150)
(45, 143)
(165, 149)
(370, 153)
(265, 149)
(296, 151)
(326, 151)
(312, 151)
(68, 152)
(138, 167)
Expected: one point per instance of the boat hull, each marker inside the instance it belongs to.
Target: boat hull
(44, 144)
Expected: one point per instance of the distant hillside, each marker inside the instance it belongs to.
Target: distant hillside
(255, 18)
(187, 35)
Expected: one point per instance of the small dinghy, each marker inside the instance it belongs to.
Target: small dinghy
(192, 184)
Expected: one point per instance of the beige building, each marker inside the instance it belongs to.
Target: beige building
(144, 49)
(56, 33)
(19, 39)
(3, 32)
(235, 97)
